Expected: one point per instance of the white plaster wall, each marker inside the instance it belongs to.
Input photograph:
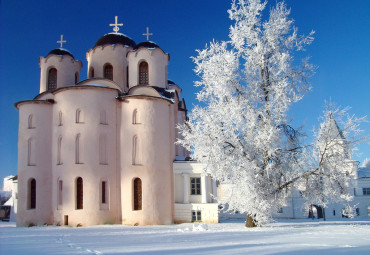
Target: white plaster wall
(91, 101)
(209, 212)
(41, 167)
(157, 61)
(113, 54)
(66, 68)
(179, 188)
(155, 171)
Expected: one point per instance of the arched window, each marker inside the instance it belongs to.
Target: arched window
(30, 152)
(103, 117)
(52, 79)
(79, 193)
(60, 118)
(32, 194)
(76, 78)
(59, 151)
(30, 122)
(136, 159)
(60, 194)
(143, 73)
(108, 71)
(103, 150)
(91, 72)
(78, 149)
(135, 119)
(104, 192)
(79, 116)
(127, 77)
(137, 194)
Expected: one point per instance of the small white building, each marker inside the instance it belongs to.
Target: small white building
(103, 150)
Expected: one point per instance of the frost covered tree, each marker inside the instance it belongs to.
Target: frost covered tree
(240, 130)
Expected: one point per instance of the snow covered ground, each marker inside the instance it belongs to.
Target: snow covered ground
(230, 237)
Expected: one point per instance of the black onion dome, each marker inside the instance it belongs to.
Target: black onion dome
(146, 44)
(115, 38)
(170, 82)
(60, 52)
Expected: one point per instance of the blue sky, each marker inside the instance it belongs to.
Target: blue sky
(30, 29)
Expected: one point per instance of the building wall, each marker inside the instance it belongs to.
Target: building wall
(92, 167)
(36, 164)
(153, 164)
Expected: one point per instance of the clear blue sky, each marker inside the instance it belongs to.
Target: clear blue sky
(30, 29)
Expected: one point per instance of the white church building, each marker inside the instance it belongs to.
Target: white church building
(102, 150)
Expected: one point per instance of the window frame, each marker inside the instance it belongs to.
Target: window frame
(366, 191)
(108, 71)
(32, 194)
(138, 194)
(79, 193)
(196, 216)
(143, 73)
(195, 186)
(52, 81)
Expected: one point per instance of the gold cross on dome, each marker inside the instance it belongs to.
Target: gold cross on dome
(147, 34)
(116, 25)
(61, 41)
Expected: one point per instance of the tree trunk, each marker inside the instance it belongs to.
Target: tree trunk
(250, 223)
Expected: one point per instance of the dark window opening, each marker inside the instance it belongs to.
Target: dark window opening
(33, 194)
(52, 79)
(137, 194)
(143, 73)
(103, 192)
(92, 73)
(108, 71)
(76, 78)
(79, 193)
(196, 216)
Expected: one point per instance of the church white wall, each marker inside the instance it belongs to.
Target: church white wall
(153, 160)
(91, 102)
(157, 61)
(112, 54)
(34, 162)
(66, 68)
(179, 188)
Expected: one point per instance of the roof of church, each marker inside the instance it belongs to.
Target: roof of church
(363, 172)
(335, 131)
(60, 52)
(170, 82)
(146, 44)
(115, 38)
(166, 93)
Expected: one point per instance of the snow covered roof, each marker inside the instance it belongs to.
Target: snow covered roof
(115, 38)
(10, 202)
(335, 131)
(363, 172)
(166, 93)
(60, 52)
(170, 82)
(146, 44)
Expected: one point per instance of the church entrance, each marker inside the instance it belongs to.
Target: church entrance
(315, 211)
